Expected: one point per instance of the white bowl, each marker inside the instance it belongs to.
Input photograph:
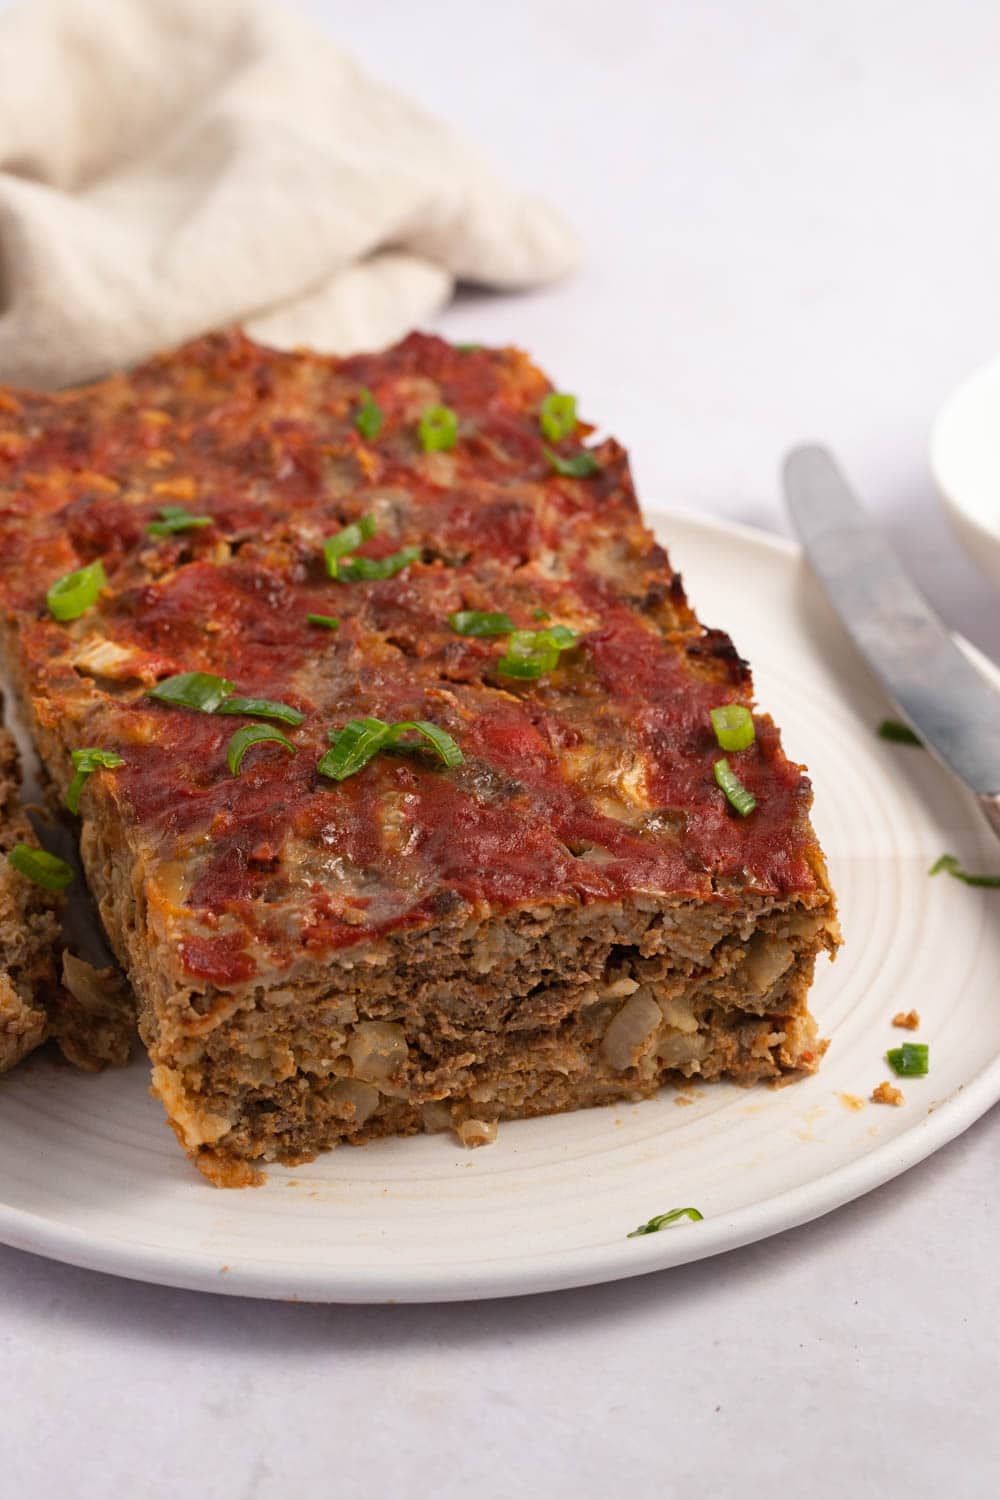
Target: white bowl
(965, 461)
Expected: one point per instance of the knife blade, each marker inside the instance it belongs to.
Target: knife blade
(950, 705)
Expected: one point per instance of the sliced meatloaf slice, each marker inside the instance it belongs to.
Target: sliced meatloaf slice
(29, 928)
(46, 992)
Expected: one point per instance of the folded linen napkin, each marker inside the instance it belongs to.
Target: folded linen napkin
(169, 166)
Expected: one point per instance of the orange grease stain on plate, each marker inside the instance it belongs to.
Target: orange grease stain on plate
(809, 1121)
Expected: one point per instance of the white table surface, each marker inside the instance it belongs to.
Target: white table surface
(792, 219)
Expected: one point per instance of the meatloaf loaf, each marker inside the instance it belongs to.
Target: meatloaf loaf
(539, 895)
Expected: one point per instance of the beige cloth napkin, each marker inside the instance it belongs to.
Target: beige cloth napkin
(170, 166)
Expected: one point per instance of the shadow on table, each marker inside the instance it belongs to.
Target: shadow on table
(105, 1305)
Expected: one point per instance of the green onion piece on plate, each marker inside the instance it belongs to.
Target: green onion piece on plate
(480, 622)
(580, 466)
(532, 653)
(557, 416)
(346, 541)
(950, 863)
(540, 614)
(468, 348)
(438, 429)
(910, 1060)
(660, 1221)
(253, 734)
(900, 734)
(736, 793)
(40, 866)
(369, 418)
(200, 691)
(261, 708)
(361, 739)
(733, 725)
(74, 593)
(176, 518)
(366, 569)
(329, 622)
(86, 762)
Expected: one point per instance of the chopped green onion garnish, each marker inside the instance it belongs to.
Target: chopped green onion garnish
(369, 418)
(176, 518)
(900, 734)
(253, 734)
(200, 691)
(365, 569)
(468, 348)
(261, 708)
(532, 653)
(579, 466)
(438, 429)
(480, 622)
(353, 747)
(540, 614)
(910, 1060)
(652, 1226)
(74, 593)
(330, 622)
(360, 739)
(733, 725)
(86, 763)
(950, 863)
(557, 417)
(736, 793)
(207, 694)
(42, 867)
(346, 541)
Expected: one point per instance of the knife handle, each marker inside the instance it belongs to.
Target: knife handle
(991, 807)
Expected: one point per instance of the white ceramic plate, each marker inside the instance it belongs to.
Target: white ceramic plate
(90, 1174)
(965, 460)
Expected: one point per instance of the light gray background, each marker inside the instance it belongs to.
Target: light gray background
(792, 219)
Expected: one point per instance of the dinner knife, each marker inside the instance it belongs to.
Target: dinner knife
(948, 703)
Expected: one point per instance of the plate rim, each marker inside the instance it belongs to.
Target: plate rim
(542, 1271)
